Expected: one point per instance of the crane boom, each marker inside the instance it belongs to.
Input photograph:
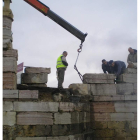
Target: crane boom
(47, 12)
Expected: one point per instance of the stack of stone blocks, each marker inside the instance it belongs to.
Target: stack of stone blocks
(113, 107)
(35, 76)
(10, 55)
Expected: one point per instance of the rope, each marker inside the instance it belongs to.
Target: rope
(75, 67)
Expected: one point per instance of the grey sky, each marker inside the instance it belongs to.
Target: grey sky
(111, 26)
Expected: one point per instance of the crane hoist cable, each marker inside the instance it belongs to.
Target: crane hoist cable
(75, 67)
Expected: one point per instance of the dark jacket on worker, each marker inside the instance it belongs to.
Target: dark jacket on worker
(132, 57)
(118, 68)
(106, 68)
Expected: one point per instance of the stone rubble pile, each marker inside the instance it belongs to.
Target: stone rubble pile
(35, 76)
(10, 55)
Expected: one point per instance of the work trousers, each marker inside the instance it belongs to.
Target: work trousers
(60, 74)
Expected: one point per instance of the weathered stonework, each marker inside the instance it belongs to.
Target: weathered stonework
(11, 53)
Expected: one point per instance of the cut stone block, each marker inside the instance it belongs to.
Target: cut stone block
(10, 53)
(102, 107)
(9, 64)
(7, 44)
(9, 118)
(8, 106)
(122, 116)
(34, 118)
(31, 94)
(31, 138)
(31, 78)
(62, 118)
(7, 23)
(131, 70)
(117, 125)
(100, 117)
(103, 89)
(128, 78)
(108, 98)
(7, 34)
(75, 117)
(10, 93)
(130, 97)
(125, 89)
(36, 106)
(66, 106)
(134, 124)
(37, 70)
(126, 106)
(9, 80)
(83, 89)
(91, 78)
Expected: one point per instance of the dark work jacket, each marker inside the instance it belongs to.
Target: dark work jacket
(106, 68)
(118, 68)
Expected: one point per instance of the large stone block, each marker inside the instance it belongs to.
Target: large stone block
(62, 118)
(34, 118)
(30, 138)
(10, 93)
(7, 23)
(100, 117)
(37, 70)
(9, 64)
(36, 106)
(125, 89)
(83, 89)
(91, 78)
(130, 97)
(128, 78)
(126, 106)
(75, 117)
(122, 116)
(108, 98)
(9, 80)
(103, 89)
(31, 78)
(7, 34)
(10, 53)
(7, 44)
(8, 106)
(131, 70)
(66, 106)
(9, 118)
(102, 107)
(134, 124)
(31, 94)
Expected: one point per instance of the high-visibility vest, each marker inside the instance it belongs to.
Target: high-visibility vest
(59, 63)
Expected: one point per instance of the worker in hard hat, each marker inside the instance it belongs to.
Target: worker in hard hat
(132, 58)
(61, 67)
(118, 67)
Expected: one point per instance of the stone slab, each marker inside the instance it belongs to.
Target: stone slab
(130, 97)
(31, 78)
(131, 70)
(28, 94)
(36, 106)
(125, 89)
(83, 89)
(92, 78)
(8, 106)
(9, 64)
(100, 117)
(9, 118)
(9, 81)
(122, 116)
(108, 98)
(102, 107)
(34, 118)
(103, 89)
(10, 53)
(37, 70)
(31, 138)
(66, 106)
(62, 118)
(128, 78)
(10, 93)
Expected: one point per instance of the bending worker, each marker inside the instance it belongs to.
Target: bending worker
(118, 67)
(105, 66)
(61, 67)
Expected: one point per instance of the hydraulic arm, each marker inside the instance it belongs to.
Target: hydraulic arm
(47, 12)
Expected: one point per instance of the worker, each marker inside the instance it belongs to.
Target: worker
(105, 66)
(132, 58)
(61, 67)
(118, 67)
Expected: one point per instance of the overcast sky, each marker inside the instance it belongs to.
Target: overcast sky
(111, 26)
